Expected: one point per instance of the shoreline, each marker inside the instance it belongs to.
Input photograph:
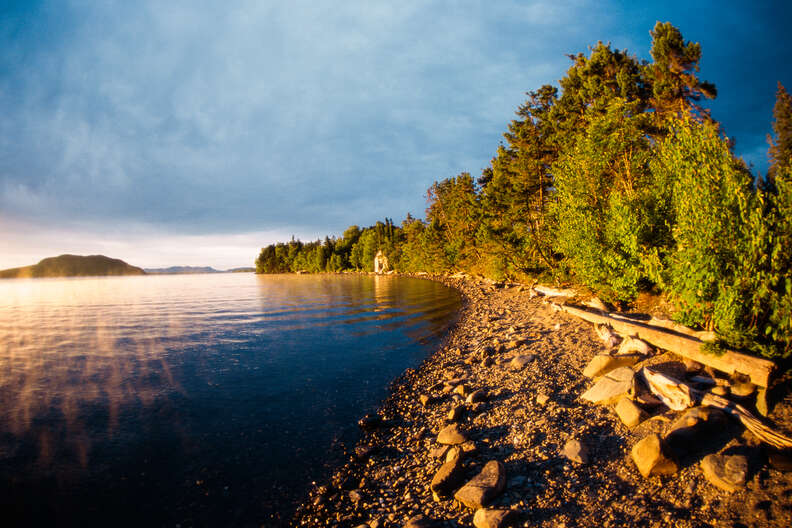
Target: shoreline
(522, 363)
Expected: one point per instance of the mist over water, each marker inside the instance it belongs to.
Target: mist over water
(200, 400)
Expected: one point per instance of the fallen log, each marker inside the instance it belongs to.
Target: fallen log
(678, 396)
(757, 369)
(553, 292)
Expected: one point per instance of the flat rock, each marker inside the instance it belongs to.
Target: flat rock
(630, 414)
(576, 451)
(612, 386)
(519, 362)
(484, 487)
(448, 476)
(451, 435)
(601, 364)
(439, 452)
(485, 518)
(648, 455)
(728, 472)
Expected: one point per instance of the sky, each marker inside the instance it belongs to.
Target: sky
(194, 133)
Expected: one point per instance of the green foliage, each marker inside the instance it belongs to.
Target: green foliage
(780, 152)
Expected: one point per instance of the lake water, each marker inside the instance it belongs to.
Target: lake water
(194, 400)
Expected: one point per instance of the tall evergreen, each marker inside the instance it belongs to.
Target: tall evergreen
(780, 152)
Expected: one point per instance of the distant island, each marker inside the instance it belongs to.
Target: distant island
(73, 266)
(194, 269)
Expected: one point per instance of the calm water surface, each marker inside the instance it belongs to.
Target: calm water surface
(198, 400)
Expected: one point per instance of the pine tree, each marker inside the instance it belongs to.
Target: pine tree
(780, 152)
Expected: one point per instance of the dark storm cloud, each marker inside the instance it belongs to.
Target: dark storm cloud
(308, 116)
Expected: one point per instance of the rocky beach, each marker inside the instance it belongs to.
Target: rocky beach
(491, 430)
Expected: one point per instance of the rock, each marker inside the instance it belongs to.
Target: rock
(576, 452)
(691, 431)
(451, 435)
(425, 399)
(516, 343)
(727, 472)
(355, 496)
(740, 385)
(634, 346)
(629, 413)
(601, 364)
(611, 386)
(462, 390)
(420, 521)
(780, 460)
(487, 362)
(720, 390)
(370, 422)
(484, 487)
(439, 452)
(476, 397)
(519, 362)
(484, 518)
(542, 398)
(469, 447)
(455, 414)
(448, 476)
(648, 455)
(453, 453)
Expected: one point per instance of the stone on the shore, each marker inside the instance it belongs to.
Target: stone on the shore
(487, 362)
(484, 487)
(355, 496)
(576, 451)
(425, 399)
(542, 398)
(462, 390)
(455, 414)
(519, 362)
(727, 472)
(439, 451)
(469, 447)
(601, 364)
(448, 476)
(362, 452)
(612, 386)
(421, 521)
(690, 431)
(476, 397)
(650, 459)
(629, 413)
(485, 518)
(634, 346)
(370, 422)
(740, 385)
(451, 435)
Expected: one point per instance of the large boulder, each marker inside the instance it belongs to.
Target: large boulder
(650, 457)
(484, 487)
(611, 387)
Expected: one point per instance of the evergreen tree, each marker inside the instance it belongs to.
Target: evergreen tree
(780, 152)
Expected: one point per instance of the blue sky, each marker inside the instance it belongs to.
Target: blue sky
(189, 132)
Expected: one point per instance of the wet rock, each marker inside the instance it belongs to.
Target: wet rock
(448, 476)
(650, 458)
(630, 414)
(451, 435)
(519, 362)
(727, 472)
(576, 451)
(603, 363)
(485, 518)
(611, 386)
(691, 431)
(484, 487)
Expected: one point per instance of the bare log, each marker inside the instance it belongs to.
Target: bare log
(554, 292)
(757, 369)
(678, 396)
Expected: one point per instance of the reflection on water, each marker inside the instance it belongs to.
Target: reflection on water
(193, 399)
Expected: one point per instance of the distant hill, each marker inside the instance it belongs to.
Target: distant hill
(73, 266)
(242, 270)
(182, 269)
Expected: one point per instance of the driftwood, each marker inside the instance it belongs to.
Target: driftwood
(678, 396)
(553, 292)
(758, 370)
